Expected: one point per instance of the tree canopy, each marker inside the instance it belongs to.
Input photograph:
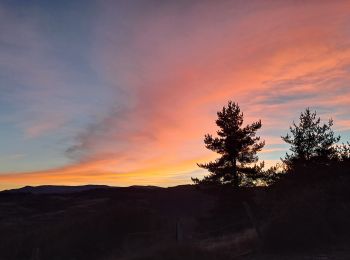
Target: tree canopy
(310, 141)
(237, 147)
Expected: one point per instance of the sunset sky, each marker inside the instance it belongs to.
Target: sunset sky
(122, 92)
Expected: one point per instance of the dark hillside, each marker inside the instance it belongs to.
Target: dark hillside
(94, 223)
(294, 216)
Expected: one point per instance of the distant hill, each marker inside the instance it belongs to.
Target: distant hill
(53, 189)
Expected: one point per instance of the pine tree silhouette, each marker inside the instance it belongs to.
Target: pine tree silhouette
(310, 141)
(238, 147)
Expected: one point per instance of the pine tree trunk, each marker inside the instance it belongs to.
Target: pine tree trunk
(235, 175)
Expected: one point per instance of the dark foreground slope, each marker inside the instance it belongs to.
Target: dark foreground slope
(295, 219)
(96, 223)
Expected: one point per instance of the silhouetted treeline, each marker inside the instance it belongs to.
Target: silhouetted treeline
(313, 147)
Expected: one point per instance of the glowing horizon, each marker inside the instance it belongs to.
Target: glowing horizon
(121, 93)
